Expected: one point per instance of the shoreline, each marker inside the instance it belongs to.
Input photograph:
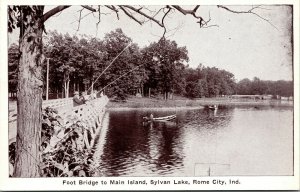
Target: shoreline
(152, 108)
(146, 103)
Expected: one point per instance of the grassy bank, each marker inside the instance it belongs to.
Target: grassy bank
(134, 102)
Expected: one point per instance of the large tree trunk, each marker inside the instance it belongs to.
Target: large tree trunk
(29, 95)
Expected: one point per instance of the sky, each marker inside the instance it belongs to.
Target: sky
(244, 44)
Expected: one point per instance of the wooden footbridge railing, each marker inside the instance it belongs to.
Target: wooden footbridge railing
(59, 104)
(90, 114)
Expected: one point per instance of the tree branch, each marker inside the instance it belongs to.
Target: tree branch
(113, 8)
(233, 11)
(79, 20)
(185, 12)
(196, 8)
(162, 20)
(156, 13)
(130, 16)
(146, 8)
(202, 22)
(99, 19)
(53, 12)
(175, 30)
(99, 15)
(250, 11)
(142, 13)
(89, 8)
(82, 17)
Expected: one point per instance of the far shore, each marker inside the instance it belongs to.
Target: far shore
(140, 103)
(152, 108)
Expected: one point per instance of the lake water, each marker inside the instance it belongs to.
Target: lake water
(230, 141)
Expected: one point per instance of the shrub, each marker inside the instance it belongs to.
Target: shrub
(65, 151)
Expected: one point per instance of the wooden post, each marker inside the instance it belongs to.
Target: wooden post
(47, 87)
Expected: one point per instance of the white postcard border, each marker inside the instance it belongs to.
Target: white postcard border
(246, 182)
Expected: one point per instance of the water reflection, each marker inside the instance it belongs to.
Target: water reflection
(165, 147)
(201, 142)
(207, 118)
(130, 146)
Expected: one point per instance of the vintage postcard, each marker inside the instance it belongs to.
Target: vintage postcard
(153, 96)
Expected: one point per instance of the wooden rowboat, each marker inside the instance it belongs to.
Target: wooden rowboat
(165, 118)
(214, 107)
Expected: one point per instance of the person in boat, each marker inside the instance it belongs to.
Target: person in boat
(76, 99)
(212, 111)
(151, 117)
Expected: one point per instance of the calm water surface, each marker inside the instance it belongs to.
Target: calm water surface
(231, 141)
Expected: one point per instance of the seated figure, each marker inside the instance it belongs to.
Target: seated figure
(84, 97)
(76, 99)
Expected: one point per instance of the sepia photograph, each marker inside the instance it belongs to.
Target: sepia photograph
(151, 91)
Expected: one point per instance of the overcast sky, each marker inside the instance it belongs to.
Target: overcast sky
(243, 44)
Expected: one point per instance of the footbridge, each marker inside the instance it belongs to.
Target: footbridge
(90, 114)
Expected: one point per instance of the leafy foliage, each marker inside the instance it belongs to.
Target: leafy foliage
(64, 153)
(114, 43)
(23, 16)
(164, 63)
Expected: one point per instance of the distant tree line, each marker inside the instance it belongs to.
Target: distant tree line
(208, 82)
(262, 87)
(77, 64)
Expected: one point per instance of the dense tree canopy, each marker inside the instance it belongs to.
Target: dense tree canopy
(209, 82)
(164, 63)
(79, 63)
(261, 87)
(122, 56)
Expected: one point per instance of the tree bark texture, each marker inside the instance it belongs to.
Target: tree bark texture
(29, 103)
